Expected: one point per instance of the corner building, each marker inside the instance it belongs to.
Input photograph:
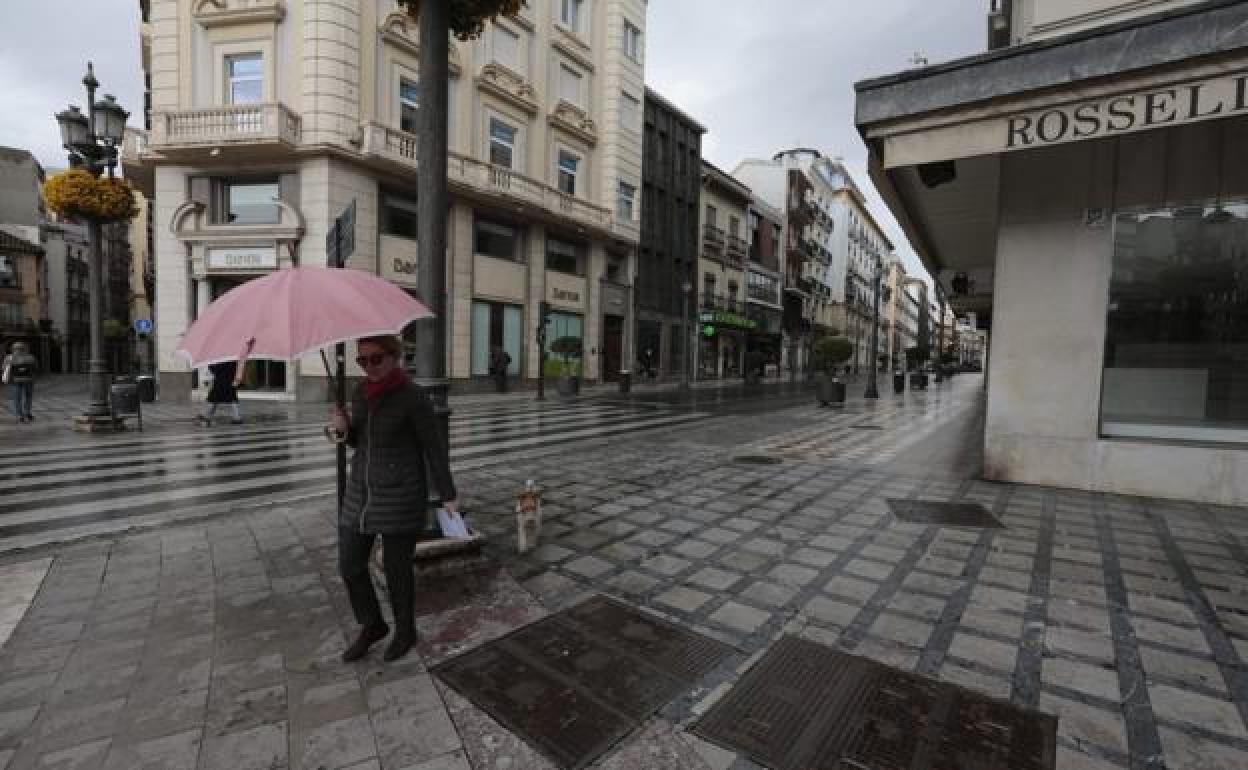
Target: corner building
(1085, 183)
(268, 118)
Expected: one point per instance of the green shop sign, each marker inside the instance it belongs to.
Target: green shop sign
(732, 320)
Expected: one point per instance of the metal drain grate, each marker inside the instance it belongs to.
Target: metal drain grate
(805, 706)
(758, 460)
(575, 683)
(867, 427)
(944, 514)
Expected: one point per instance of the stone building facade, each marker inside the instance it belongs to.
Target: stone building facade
(723, 325)
(268, 118)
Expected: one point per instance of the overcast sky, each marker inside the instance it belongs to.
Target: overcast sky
(761, 76)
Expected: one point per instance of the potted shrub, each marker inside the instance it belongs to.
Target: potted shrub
(754, 363)
(830, 353)
(569, 373)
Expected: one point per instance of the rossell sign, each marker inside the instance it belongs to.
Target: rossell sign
(1185, 103)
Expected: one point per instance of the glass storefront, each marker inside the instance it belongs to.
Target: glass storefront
(1176, 347)
(258, 374)
(495, 325)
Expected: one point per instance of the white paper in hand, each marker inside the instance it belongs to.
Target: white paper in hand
(452, 524)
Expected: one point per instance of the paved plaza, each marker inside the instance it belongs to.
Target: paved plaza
(215, 644)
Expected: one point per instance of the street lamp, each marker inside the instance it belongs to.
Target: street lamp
(92, 141)
(873, 390)
(685, 288)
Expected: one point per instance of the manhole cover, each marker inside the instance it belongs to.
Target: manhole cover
(805, 706)
(575, 683)
(758, 460)
(943, 514)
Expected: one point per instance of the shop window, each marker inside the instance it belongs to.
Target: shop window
(502, 143)
(499, 240)
(409, 102)
(565, 257)
(564, 325)
(495, 325)
(244, 76)
(632, 41)
(248, 202)
(1176, 343)
(398, 217)
(624, 204)
(568, 164)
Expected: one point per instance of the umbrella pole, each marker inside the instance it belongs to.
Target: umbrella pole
(338, 381)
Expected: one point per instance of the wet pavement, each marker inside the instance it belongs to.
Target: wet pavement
(214, 644)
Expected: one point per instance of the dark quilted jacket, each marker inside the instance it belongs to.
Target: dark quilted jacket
(387, 490)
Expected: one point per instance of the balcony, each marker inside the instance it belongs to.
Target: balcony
(767, 294)
(722, 302)
(272, 125)
(712, 238)
(736, 249)
(477, 179)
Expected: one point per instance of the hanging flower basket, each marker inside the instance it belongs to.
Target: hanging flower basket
(76, 194)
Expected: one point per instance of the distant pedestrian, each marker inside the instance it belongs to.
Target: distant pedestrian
(226, 377)
(18, 372)
(647, 363)
(392, 428)
(500, 362)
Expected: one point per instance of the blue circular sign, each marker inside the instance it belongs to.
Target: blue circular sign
(143, 325)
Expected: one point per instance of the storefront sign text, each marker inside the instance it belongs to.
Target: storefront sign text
(721, 318)
(563, 295)
(242, 258)
(1174, 105)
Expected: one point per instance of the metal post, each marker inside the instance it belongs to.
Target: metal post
(432, 207)
(684, 338)
(873, 390)
(940, 338)
(97, 368)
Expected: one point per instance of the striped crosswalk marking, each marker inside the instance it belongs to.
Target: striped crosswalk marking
(60, 491)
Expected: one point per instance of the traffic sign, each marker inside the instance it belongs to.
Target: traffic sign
(143, 325)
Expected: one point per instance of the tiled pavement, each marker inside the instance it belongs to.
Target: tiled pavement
(215, 646)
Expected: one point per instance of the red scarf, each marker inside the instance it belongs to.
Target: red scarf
(396, 379)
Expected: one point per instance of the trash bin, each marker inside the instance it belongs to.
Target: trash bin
(147, 389)
(123, 401)
(626, 380)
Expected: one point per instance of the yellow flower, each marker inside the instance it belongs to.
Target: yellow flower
(76, 194)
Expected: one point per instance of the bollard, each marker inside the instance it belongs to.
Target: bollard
(528, 517)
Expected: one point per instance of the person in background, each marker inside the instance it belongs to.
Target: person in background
(500, 362)
(226, 377)
(19, 371)
(392, 427)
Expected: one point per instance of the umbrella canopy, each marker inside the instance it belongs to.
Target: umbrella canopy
(296, 311)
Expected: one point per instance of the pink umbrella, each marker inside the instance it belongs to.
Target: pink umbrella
(295, 311)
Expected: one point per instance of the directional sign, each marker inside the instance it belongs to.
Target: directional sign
(143, 325)
(340, 240)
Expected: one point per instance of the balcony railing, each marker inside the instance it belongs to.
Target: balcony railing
(471, 175)
(722, 302)
(737, 247)
(763, 294)
(239, 123)
(713, 237)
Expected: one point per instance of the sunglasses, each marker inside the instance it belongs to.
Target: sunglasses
(371, 360)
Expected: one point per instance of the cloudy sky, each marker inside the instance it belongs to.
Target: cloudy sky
(761, 76)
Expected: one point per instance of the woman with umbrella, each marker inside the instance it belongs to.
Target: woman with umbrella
(298, 311)
(392, 428)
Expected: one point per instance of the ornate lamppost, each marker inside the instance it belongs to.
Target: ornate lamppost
(92, 141)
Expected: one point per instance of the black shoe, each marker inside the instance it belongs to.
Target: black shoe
(400, 645)
(369, 635)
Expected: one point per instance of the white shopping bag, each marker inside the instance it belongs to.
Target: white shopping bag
(452, 524)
